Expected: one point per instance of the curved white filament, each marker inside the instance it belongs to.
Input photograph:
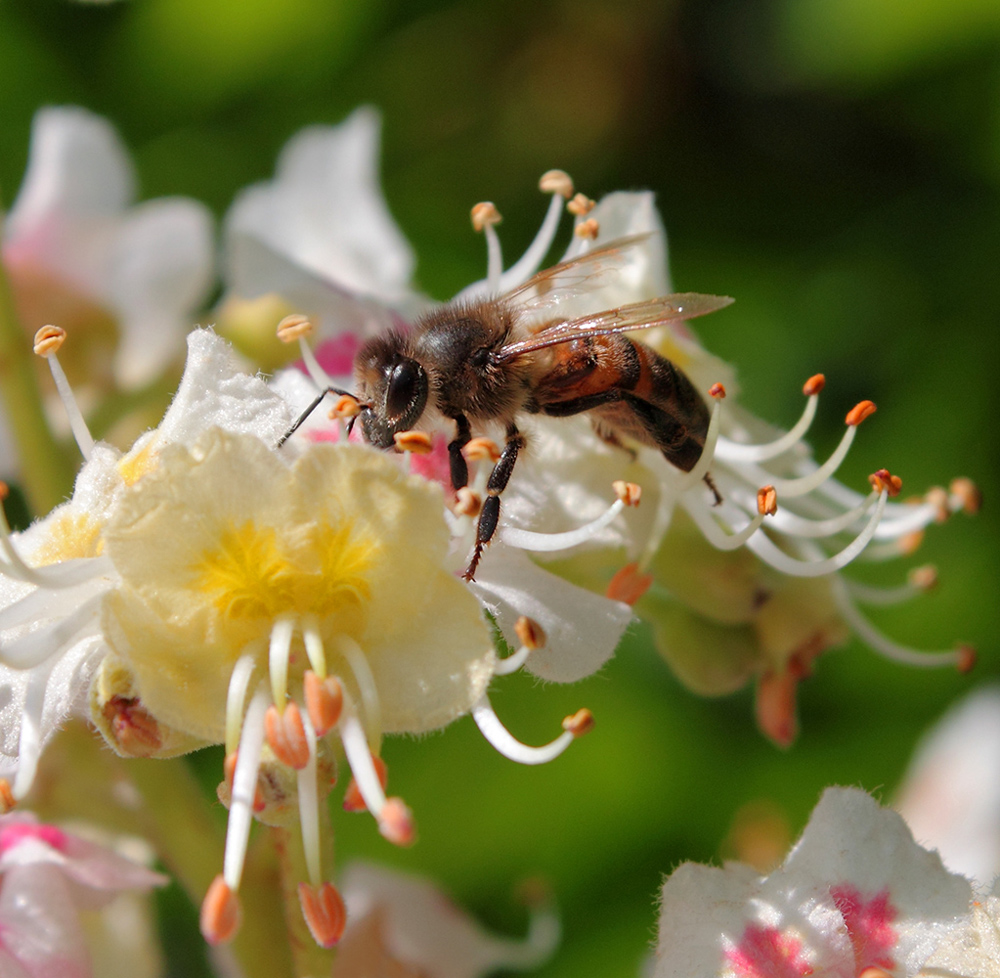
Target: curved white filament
(548, 542)
(507, 744)
(244, 790)
(733, 451)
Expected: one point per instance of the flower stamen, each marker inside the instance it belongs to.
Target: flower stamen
(357, 661)
(47, 341)
(548, 542)
(507, 744)
(244, 791)
(731, 451)
(324, 912)
(279, 651)
(484, 216)
(532, 636)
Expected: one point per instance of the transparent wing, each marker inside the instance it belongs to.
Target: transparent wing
(573, 278)
(638, 315)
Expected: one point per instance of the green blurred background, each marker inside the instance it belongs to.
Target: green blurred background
(833, 164)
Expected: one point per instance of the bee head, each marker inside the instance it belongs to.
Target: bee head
(395, 387)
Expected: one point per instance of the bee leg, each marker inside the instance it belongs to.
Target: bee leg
(489, 515)
(456, 460)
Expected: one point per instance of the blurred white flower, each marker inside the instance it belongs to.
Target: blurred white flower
(407, 923)
(47, 877)
(855, 897)
(79, 251)
(950, 796)
(320, 235)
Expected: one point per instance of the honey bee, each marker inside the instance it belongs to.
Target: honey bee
(491, 360)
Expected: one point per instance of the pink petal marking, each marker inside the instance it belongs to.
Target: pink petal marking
(13, 835)
(765, 952)
(336, 355)
(869, 925)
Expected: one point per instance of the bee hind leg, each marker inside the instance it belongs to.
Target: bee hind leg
(489, 515)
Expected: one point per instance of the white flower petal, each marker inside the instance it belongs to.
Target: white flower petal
(161, 268)
(951, 795)
(582, 629)
(424, 930)
(215, 393)
(851, 840)
(324, 211)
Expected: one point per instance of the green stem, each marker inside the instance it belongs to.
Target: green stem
(46, 473)
(190, 841)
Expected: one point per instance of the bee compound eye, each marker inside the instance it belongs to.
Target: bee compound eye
(404, 387)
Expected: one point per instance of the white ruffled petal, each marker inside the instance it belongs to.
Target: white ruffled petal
(215, 392)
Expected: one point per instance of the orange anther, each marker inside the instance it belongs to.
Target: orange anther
(48, 340)
(923, 578)
(467, 502)
(967, 657)
(968, 493)
(874, 972)
(7, 799)
(353, 802)
(293, 327)
(884, 480)
(556, 182)
(345, 406)
(628, 585)
(417, 442)
(324, 913)
(481, 450)
(628, 492)
(220, 913)
(588, 229)
(4, 490)
(717, 391)
(910, 542)
(395, 823)
(859, 412)
(580, 206)
(324, 701)
(937, 498)
(529, 633)
(579, 723)
(485, 214)
(286, 735)
(767, 501)
(814, 385)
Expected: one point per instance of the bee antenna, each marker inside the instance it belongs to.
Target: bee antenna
(309, 410)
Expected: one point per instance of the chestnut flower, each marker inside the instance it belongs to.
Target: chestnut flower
(210, 587)
(78, 251)
(737, 563)
(404, 924)
(855, 898)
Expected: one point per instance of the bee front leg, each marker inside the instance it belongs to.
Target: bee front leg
(456, 460)
(489, 515)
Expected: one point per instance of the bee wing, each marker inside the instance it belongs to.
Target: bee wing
(572, 278)
(638, 315)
